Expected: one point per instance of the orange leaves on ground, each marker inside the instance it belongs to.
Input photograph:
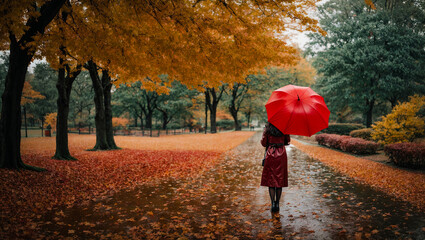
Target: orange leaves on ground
(398, 182)
(220, 142)
(94, 174)
(26, 193)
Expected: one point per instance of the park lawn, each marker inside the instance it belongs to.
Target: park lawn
(401, 183)
(26, 195)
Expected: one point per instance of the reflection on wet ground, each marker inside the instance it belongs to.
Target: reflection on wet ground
(227, 203)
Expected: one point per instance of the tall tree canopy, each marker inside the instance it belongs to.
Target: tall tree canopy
(369, 56)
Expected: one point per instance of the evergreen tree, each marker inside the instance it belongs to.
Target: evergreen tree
(367, 57)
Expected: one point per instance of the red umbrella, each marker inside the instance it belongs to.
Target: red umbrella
(297, 110)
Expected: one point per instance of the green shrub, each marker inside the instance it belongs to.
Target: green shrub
(365, 133)
(410, 155)
(226, 124)
(342, 128)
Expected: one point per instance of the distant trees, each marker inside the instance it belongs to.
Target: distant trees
(143, 104)
(81, 101)
(44, 81)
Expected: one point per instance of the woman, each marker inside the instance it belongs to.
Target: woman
(275, 171)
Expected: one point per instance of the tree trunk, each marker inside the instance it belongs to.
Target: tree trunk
(42, 126)
(369, 112)
(164, 120)
(10, 123)
(207, 100)
(213, 118)
(25, 121)
(107, 85)
(19, 59)
(234, 114)
(101, 140)
(238, 94)
(212, 103)
(142, 126)
(149, 115)
(248, 117)
(64, 86)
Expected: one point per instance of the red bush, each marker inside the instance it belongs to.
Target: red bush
(406, 154)
(321, 139)
(358, 146)
(335, 140)
(330, 140)
(347, 143)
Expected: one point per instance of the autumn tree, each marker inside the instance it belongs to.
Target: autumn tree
(29, 95)
(204, 48)
(23, 24)
(102, 98)
(62, 57)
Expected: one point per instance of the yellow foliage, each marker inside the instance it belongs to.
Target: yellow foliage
(223, 115)
(29, 94)
(206, 43)
(402, 124)
(370, 4)
(50, 120)
(119, 122)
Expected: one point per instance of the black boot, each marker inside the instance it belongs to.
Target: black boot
(273, 209)
(276, 206)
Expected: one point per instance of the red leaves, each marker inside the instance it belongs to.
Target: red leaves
(26, 194)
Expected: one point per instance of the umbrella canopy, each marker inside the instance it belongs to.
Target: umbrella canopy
(297, 110)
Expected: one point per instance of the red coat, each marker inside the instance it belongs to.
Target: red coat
(275, 171)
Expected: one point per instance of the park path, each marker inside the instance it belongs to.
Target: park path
(227, 203)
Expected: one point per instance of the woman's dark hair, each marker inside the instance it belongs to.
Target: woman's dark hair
(272, 130)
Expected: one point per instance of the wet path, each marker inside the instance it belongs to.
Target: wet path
(227, 203)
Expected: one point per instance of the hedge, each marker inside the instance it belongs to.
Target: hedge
(347, 143)
(410, 155)
(365, 133)
(358, 146)
(330, 140)
(342, 128)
